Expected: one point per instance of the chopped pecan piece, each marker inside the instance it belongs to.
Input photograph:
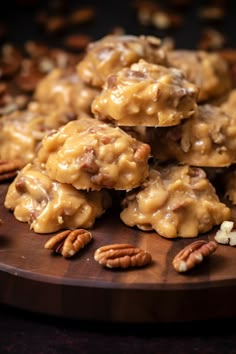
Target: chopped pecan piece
(211, 39)
(10, 60)
(82, 15)
(103, 179)
(9, 168)
(122, 255)
(88, 161)
(193, 254)
(144, 10)
(212, 12)
(68, 242)
(226, 235)
(55, 24)
(77, 41)
(142, 152)
(29, 76)
(165, 19)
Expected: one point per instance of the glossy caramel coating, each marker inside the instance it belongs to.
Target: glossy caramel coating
(209, 71)
(92, 155)
(22, 131)
(50, 206)
(65, 89)
(112, 53)
(206, 140)
(146, 95)
(175, 201)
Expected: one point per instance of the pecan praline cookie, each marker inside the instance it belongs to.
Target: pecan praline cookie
(175, 201)
(50, 206)
(209, 71)
(22, 131)
(92, 155)
(112, 53)
(146, 95)
(65, 89)
(206, 140)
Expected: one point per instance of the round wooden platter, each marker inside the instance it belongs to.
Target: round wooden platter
(34, 279)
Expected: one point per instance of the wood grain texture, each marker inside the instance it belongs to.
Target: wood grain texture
(35, 279)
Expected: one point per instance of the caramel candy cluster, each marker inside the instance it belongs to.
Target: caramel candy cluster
(65, 89)
(175, 201)
(91, 155)
(49, 206)
(110, 124)
(208, 139)
(146, 94)
(207, 70)
(112, 53)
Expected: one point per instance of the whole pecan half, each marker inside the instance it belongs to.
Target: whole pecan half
(68, 242)
(122, 255)
(9, 168)
(193, 254)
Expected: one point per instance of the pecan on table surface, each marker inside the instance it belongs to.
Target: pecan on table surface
(68, 242)
(193, 254)
(122, 255)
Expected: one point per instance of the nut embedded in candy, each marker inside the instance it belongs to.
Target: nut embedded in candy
(93, 155)
(175, 201)
(50, 206)
(146, 94)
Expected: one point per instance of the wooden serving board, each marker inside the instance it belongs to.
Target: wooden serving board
(37, 280)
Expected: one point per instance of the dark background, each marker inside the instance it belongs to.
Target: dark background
(22, 332)
(20, 16)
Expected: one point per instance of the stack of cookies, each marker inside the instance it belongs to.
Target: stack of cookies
(136, 120)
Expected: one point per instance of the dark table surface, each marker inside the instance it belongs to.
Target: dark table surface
(22, 332)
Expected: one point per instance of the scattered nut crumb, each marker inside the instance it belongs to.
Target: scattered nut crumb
(60, 219)
(55, 24)
(211, 39)
(77, 41)
(225, 235)
(165, 19)
(212, 12)
(82, 15)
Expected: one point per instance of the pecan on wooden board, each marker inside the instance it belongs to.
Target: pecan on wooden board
(193, 254)
(122, 255)
(68, 242)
